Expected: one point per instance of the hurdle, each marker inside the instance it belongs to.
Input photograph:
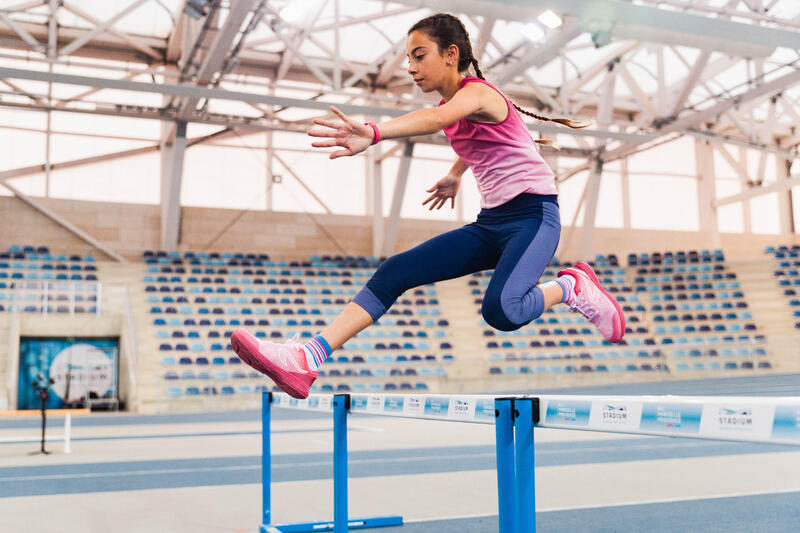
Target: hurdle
(747, 419)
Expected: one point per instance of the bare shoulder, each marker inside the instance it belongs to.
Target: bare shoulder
(493, 106)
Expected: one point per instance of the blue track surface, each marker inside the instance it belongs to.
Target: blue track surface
(211, 471)
(763, 513)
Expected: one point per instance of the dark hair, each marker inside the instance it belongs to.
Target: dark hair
(446, 29)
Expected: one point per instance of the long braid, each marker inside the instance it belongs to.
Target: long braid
(564, 121)
(447, 29)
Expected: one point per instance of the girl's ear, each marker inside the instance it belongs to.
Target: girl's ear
(452, 54)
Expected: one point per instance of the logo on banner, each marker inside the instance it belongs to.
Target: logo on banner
(786, 424)
(293, 402)
(375, 403)
(611, 414)
(484, 409)
(358, 403)
(461, 408)
(437, 406)
(313, 402)
(414, 405)
(568, 412)
(671, 417)
(735, 419)
(325, 402)
(393, 404)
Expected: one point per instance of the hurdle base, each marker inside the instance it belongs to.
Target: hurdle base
(353, 523)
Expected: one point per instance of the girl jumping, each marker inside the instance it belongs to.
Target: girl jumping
(516, 232)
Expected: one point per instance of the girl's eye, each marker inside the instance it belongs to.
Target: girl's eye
(419, 58)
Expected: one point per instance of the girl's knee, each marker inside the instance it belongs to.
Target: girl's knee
(493, 314)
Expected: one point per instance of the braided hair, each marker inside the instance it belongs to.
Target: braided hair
(446, 29)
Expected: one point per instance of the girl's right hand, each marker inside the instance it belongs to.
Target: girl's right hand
(350, 134)
(445, 188)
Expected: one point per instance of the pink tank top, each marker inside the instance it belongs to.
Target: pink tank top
(502, 155)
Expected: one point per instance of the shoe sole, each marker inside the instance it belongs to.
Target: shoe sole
(589, 271)
(246, 351)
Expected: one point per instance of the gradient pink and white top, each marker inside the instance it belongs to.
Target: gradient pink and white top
(502, 155)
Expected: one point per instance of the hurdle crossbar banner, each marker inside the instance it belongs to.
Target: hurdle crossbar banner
(751, 419)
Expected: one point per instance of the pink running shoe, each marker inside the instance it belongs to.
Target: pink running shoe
(285, 362)
(593, 302)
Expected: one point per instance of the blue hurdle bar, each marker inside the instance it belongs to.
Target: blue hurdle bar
(341, 523)
(504, 446)
(526, 414)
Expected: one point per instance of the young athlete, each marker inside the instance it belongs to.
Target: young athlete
(516, 232)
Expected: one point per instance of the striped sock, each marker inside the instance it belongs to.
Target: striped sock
(567, 283)
(317, 350)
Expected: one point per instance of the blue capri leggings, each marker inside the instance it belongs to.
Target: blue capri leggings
(516, 239)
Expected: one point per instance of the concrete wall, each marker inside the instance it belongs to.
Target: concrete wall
(131, 228)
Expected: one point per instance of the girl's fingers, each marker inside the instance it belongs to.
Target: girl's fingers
(432, 189)
(322, 133)
(452, 202)
(339, 153)
(341, 115)
(431, 197)
(324, 144)
(327, 123)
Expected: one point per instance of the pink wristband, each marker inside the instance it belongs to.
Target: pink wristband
(375, 129)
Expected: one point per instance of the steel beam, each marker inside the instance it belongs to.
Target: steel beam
(20, 30)
(706, 190)
(785, 197)
(218, 52)
(397, 199)
(537, 56)
(722, 34)
(101, 28)
(171, 180)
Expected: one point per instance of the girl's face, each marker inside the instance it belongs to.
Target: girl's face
(427, 66)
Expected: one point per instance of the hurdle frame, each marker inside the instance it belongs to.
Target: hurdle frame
(744, 419)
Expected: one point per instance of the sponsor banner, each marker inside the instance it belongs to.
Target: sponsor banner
(615, 415)
(568, 412)
(359, 402)
(462, 407)
(393, 404)
(375, 403)
(737, 420)
(436, 406)
(484, 409)
(414, 405)
(669, 418)
(786, 424)
(326, 403)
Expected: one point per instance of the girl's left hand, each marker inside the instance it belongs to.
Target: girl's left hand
(352, 135)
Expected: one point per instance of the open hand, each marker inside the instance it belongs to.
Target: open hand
(350, 134)
(445, 188)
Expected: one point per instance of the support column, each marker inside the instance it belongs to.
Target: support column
(270, 169)
(748, 226)
(590, 210)
(707, 190)
(785, 210)
(626, 193)
(375, 197)
(171, 178)
(397, 199)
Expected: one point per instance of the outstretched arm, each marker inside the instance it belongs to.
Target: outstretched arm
(355, 137)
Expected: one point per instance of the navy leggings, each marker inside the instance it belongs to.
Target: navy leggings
(516, 239)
